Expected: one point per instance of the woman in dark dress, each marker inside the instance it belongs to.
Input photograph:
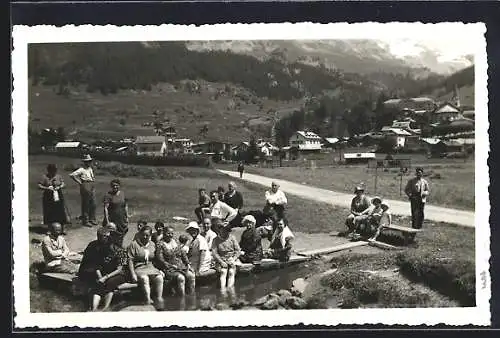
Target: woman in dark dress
(251, 242)
(103, 267)
(53, 200)
(116, 210)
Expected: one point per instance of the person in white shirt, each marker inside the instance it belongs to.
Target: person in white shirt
(84, 176)
(207, 232)
(221, 210)
(276, 199)
(199, 252)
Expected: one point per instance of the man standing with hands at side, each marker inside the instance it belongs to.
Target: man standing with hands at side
(84, 176)
(417, 190)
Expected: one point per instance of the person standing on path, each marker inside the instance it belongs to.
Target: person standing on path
(85, 178)
(241, 168)
(417, 190)
(116, 209)
(53, 200)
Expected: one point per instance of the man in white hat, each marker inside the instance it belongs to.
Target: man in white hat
(199, 252)
(84, 177)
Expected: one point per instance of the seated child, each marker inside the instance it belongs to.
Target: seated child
(203, 204)
(183, 241)
(158, 234)
(366, 227)
(385, 220)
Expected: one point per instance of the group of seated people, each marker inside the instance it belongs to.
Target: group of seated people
(156, 258)
(367, 216)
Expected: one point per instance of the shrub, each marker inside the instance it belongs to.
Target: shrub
(452, 277)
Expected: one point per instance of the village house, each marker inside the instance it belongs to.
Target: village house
(305, 141)
(396, 136)
(151, 145)
(447, 112)
(182, 145)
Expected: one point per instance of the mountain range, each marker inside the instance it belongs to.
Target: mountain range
(357, 56)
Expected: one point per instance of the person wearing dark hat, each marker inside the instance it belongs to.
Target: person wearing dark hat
(85, 178)
(417, 190)
(360, 206)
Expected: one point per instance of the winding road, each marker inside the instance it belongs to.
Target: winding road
(433, 213)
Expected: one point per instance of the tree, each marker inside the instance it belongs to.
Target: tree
(252, 152)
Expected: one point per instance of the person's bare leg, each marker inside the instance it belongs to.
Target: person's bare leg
(107, 300)
(158, 283)
(191, 279)
(231, 276)
(144, 281)
(96, 299)
(181, 284)
(223, 278)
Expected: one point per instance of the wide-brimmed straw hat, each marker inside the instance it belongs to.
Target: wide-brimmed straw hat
(249, 218)
(86, 158)
(358, 188)
(193, 225)
(376, 198)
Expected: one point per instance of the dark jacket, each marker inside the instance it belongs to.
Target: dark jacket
(235, 201)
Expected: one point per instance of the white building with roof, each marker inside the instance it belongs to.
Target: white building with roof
(446, 113)
(305, 141)
(150, 145)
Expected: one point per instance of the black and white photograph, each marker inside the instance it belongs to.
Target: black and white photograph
(330, 173)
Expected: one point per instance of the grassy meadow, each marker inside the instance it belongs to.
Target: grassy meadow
(171, 191)
(451, 182)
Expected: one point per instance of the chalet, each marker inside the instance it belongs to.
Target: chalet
(150, 145)
(211, 147)
(446, 113)
(305, 141)
(68, 147)
(184, 145)
(330, 142)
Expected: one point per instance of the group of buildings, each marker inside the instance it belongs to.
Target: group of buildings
(455, 123)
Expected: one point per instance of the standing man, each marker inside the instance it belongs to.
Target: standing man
(276, 199)
(84, 176)
(241, 168)
(417, 190)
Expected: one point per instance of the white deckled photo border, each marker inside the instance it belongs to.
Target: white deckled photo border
(472, 34)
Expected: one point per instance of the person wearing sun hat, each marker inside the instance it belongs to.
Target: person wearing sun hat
(251, 241)
(385, 220)
(84, 177)
(360, 206)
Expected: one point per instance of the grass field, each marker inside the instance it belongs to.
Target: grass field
(451, 183)
(176, 196)
(96, 116)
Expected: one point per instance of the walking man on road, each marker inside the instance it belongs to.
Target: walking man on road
(417, 190)
(84, 176)
(241, 168)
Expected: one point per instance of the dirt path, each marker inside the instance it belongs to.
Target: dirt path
(434, 213)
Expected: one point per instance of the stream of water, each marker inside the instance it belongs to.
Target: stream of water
(248, 287)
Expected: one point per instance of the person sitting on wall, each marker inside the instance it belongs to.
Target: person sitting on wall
(103, 267)
(203, 204)
(251, 242)
(199, 253)
(385, 220)
(280, 247)
(360, 206)
(207, 232)
(158, 234)
(56, 252)
(368, 225)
